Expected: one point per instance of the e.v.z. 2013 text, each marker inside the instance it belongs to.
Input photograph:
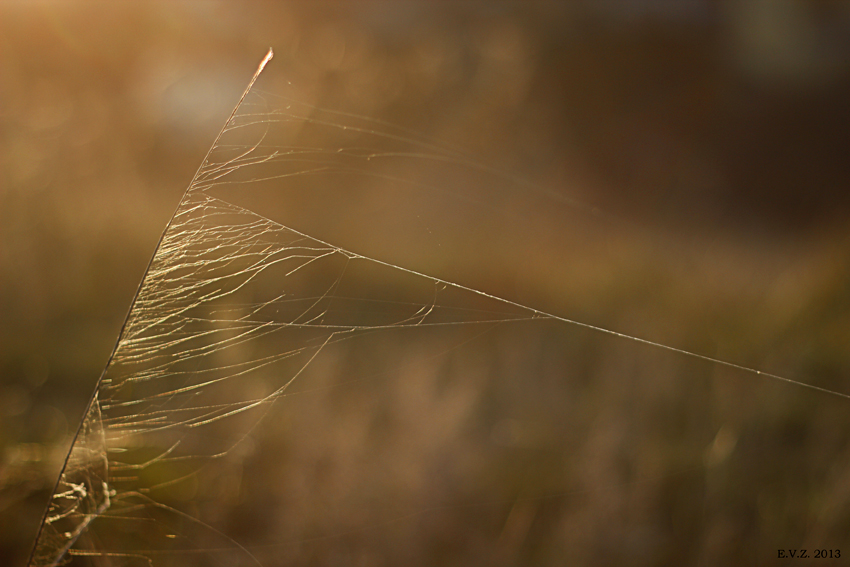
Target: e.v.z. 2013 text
(805, 554)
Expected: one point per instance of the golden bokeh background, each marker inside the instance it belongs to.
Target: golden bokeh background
(675, 171)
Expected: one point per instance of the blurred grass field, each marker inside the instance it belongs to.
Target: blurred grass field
(682, 179)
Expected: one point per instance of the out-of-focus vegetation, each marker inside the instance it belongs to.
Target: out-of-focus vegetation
(683, 179)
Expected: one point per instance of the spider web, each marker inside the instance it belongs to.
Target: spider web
(234, 312)
(233, 308)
